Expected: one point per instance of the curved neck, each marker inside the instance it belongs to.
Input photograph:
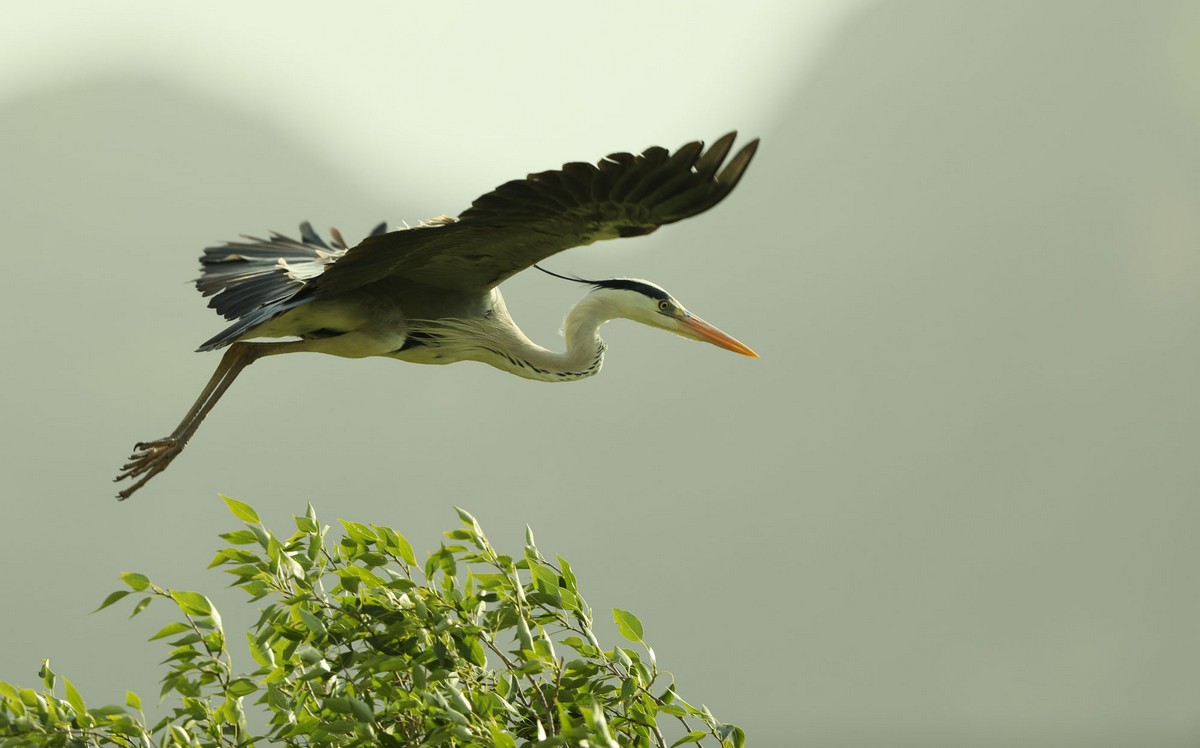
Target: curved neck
(584, 354)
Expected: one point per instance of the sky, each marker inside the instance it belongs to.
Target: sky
(952, 503)
(362, 87)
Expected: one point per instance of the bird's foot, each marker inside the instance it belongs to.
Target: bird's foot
(148, 460)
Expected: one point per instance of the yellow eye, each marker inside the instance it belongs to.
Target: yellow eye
(664, 305)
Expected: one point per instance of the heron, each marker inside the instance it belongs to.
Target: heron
(429, 293)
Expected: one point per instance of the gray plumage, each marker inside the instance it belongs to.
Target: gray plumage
(428, 294)
(516, 225)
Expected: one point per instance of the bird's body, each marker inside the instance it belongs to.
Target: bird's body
(377, 325)
(428, 294)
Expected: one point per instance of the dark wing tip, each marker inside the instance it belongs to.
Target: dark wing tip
(710, 160)
(710, 181)
(733, 171)
(652, 188)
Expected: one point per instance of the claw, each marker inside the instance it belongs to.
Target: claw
(148, 460)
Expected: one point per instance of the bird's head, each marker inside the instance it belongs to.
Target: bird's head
(650, 304)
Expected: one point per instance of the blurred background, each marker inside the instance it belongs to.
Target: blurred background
(955, 501)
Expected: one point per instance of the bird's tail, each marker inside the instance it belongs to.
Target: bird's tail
(253, 280)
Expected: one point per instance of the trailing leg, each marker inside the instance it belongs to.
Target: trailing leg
(152, 457)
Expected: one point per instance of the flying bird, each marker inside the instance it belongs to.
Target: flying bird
(428, 293)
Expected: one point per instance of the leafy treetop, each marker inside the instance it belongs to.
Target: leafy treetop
(358, 644)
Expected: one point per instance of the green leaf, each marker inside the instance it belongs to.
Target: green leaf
(732, 735)
(569, 600)
(568, 576)
(142, 605)
(239, 537)
(9, 693)
(242, 687)
(138, 582)
(216, 620)
(192, 603)
(580, 646)
(360, 574)
(695, 736)
(304, 524)
(190, 638)
(132, 701)
(622, 656)
(546, 580)
(112, 599)
(405, 550)
(359, 533)
(391, 664)
(311, 622)
(125, 726)
(361, 710)
(109, 712)
(261, 536)
(628, 625)
(339, 704)
(473, 651)
(524, 639)
(286, 562)
(171, 629)
(74, 698)
(241, 510)
(459, 700)
(628, 688)
(467, 519)
(501, 737)
(262, 655)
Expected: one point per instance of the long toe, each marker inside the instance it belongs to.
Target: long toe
(149, 459)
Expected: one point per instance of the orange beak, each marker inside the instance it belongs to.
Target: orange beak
(694, 327)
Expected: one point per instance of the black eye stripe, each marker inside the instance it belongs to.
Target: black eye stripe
(622, 284)
(628, 284)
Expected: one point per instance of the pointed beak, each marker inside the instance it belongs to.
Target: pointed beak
(696, 328)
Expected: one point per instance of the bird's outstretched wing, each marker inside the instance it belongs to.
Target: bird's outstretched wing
(525, 221)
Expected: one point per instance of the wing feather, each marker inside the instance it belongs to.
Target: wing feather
(526, 220)
(248, 275)
(710, 161)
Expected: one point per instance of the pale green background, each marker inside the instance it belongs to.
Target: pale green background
(955, 502)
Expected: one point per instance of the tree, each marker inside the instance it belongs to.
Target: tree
(358, 644)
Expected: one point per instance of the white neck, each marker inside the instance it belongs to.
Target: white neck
(495, 339)
(582, 358)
